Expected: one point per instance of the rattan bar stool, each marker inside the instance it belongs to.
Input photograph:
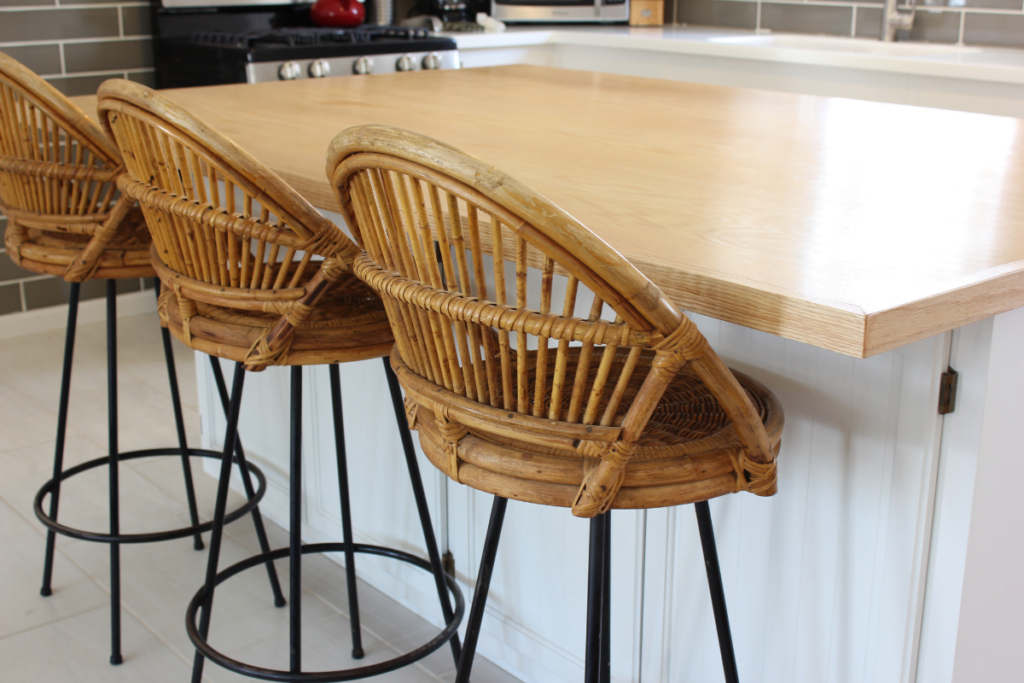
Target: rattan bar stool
(65, 217)
(598, 397)
(252, 273)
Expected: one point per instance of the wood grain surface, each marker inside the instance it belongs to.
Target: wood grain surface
(853, 226)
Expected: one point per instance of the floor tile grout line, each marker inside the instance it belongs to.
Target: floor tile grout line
(53, 622)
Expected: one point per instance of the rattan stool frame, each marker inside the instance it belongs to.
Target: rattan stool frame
(617, 401)
(252, 273)
(58, 173)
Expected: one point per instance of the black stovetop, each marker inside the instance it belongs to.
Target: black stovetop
(295, 37)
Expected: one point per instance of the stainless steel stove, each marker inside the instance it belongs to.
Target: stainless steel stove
(255, 44)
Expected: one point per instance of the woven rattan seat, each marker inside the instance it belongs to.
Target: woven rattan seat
(349, 323)
(688, 438)
(57, 187)
(52, 252)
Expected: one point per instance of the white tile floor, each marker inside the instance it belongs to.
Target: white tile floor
(66, 637)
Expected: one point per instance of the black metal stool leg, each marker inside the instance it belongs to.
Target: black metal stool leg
(707, 542)
(62, 424)
(346, 513)
(243, 466)
(596, 606)
(606, 602)
(295, 523)
(179, 423)
(115, 548)
(217, 533)
(421, 504)
(483, 586)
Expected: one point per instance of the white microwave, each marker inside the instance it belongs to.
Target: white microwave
(513, 11)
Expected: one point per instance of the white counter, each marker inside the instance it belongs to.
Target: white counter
(964, 78)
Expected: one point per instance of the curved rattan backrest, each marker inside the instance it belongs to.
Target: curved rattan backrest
(226, 229)
(439, 226)
(57, 168)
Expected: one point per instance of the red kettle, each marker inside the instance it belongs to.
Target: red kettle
(338, 13)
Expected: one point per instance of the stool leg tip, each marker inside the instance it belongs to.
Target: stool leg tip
(46, 591)
(280, 602)
(116, 659)
(357, 653)
(199, 545)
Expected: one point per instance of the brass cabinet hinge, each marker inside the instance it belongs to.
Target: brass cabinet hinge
(947, 392)
(448, 563)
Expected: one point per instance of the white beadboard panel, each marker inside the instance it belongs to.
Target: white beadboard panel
(954, 496)
(823, 580)
(383, 509)
(990, 626)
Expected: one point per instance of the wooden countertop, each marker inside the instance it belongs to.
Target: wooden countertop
(853, 226)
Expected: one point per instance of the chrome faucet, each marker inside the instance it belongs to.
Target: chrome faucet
(893, 20)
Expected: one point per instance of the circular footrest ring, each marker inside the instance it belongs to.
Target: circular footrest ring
(323, 676)
(151, 537)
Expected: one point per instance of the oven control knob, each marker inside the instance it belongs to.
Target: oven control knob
(289, 71)
(362, 66)
(432, 61)
(319, 69)
(405, 63)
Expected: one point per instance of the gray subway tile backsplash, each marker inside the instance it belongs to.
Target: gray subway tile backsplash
(804, 18)
(146, 78)
(717, 13)
(136, 21)
(108, 55)
(1006, 30)
(10, 271)
(72, 86)
(985, 22)
(27, 3)
(975, 4)
(43, 59)
(933, 27)
(10, 297)
(869, 23)
(59, 24)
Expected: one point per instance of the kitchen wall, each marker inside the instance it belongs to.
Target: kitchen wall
(75, 45)
(976, 22)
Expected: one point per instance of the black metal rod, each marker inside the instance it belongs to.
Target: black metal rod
(595, 598)
(377, 668)
(421, 504)
(606, 602)
(707, 542)
(243, 466)
(62, 424)
(152, 536)
(483, 586)
(179, 423)
(346, 513)
(115, 513)
(217, 533)
(295, 524)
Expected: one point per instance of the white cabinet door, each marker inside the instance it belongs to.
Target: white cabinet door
(824, 581)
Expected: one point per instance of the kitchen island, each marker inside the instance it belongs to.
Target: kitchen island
(829, 248)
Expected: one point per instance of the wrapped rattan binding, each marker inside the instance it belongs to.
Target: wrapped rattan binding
(532, 400)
